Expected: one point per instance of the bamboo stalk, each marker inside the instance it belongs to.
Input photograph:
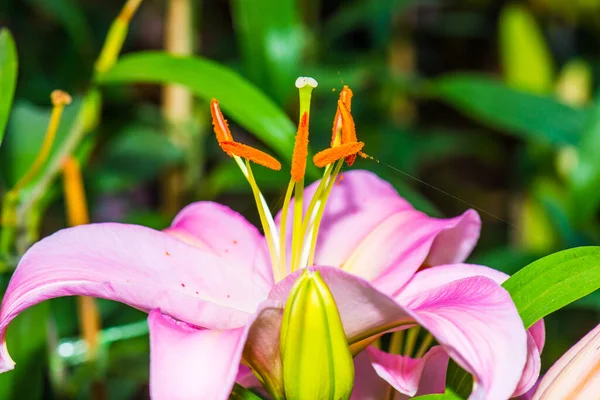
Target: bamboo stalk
(177, 101)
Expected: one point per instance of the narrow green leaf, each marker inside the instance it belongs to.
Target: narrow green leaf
(584, 179)
(526, 60)
(272, 41)
(554, 281)
(526, 115)
(8, 76)
(245, 103)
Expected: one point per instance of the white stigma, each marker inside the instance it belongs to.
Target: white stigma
(306, 80)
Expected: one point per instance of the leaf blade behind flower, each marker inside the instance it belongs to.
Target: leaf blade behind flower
(526, 115)
(207, 79)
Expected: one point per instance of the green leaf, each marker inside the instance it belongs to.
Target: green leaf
(26, 342)
(526, 115)
(8, 76)
(272, 41)
(554, 281)
(585, 176)
(207, 79)
(526, 60)
(442, 396)
(241, 393)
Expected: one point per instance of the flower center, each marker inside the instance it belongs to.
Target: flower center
(305, 224)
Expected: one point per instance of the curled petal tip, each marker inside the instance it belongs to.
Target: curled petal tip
(6, 362)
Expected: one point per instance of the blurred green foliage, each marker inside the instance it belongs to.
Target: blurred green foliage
(471, 104)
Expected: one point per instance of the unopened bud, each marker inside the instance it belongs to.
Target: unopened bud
(317, 363)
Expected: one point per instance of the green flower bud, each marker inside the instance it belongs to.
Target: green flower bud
(317, 363)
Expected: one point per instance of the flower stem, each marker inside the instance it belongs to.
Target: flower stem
(77, 214)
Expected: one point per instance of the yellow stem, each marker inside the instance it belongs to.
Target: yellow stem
(77, 214)
(116, 37)
(59, 100)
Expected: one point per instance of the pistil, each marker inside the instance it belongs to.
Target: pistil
(305, 87)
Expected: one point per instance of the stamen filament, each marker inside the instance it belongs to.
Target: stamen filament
(321, 208)
(297, 236)
(425, 344)
(266, 220)
(396, 342)
(283, 227)
(411, 339)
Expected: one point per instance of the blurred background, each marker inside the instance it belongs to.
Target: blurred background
(465, 104)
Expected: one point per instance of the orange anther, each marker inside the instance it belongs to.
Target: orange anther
(346, 97)
(250, 153)
(333, 154)
(300, 150)
(219, 123)
(348, 128)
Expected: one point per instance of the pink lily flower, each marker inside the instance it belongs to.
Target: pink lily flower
(214, 287)
(576, 374)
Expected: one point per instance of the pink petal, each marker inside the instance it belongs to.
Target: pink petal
(386, 240)
(192, 363)
(367, 384)
(220, 230)
(575, 375)
(137, 266)
(410, 376)
(476, 322)
(437, 276)
(394, 250)
(246, 378)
